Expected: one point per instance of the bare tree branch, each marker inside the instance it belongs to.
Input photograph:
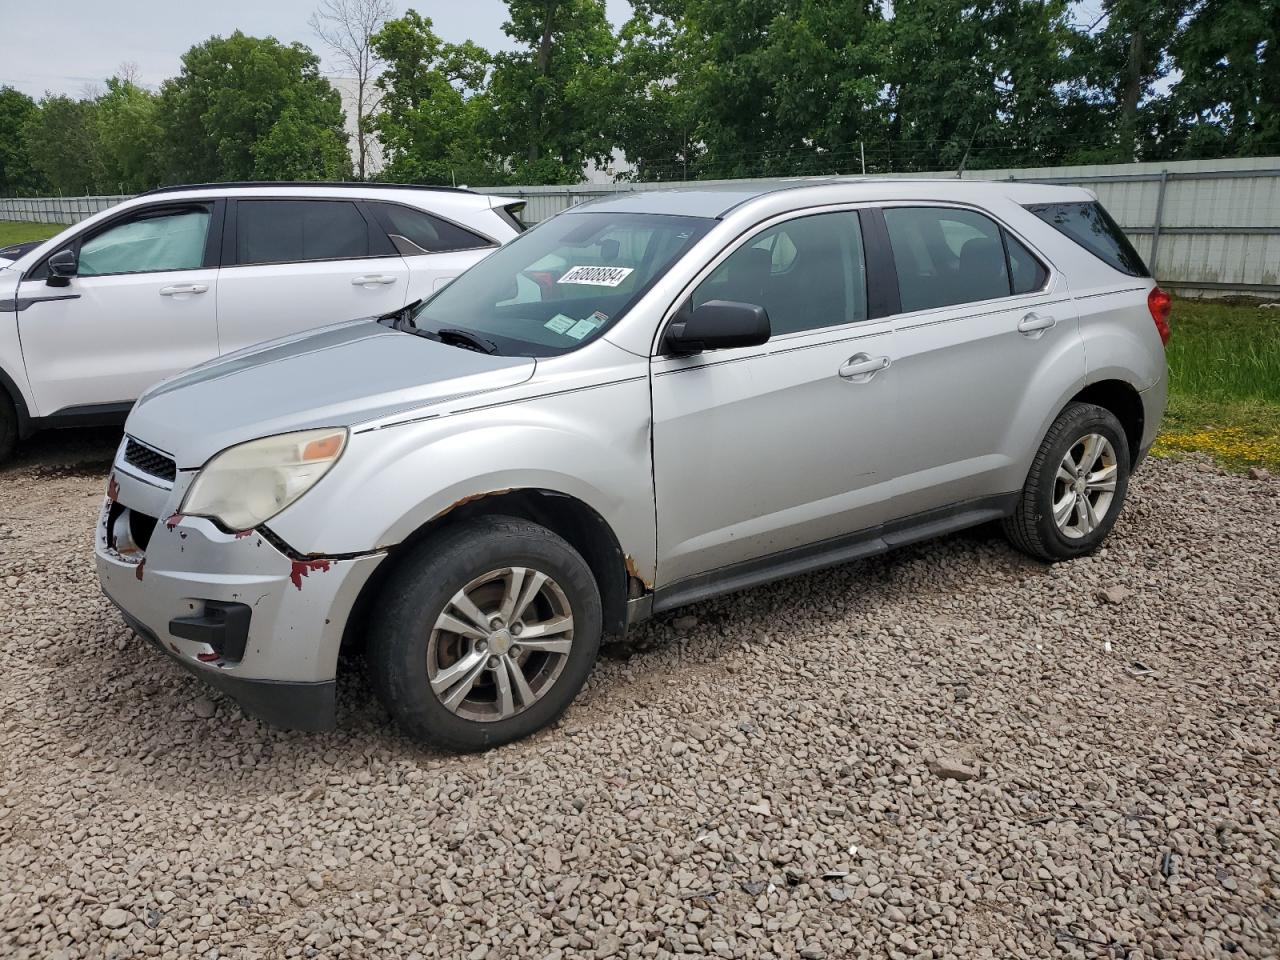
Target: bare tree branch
(347, 28)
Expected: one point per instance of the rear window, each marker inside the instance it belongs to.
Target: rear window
(294, 231)
(1089, 225)
(415, 232)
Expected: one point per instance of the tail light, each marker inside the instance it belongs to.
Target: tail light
(1160, 304)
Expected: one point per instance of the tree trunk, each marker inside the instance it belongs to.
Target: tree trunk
(1132, 93)
(544, 68)
(360, 122)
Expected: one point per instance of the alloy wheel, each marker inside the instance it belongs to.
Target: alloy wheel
(500, 644)
(1085, 486)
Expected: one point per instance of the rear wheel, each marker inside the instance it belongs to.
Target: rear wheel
(485, 634)
(1076, 486)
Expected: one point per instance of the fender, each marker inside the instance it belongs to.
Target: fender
(546, 443)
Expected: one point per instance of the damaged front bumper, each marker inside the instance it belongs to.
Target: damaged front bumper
(236, 610)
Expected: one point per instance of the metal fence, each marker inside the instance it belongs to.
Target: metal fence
(56, 209)
(1206, 227)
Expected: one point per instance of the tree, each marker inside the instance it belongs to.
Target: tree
(62, 140)
(1228, 98)
(17, 176)
(348, 27)
(128, 133)
(653, 121)
(434, 106)
(550, 109)
(251, 108)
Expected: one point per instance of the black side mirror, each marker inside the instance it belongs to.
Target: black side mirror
(717, 324)
(62, 267)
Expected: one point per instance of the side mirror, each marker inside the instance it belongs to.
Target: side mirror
(62, 267)
(716, 325)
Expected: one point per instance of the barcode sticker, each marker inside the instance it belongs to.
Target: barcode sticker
(597, 276)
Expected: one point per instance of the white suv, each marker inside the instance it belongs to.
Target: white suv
(178, 276)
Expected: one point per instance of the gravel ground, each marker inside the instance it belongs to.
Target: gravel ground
(777, 777)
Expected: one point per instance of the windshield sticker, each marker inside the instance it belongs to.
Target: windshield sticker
(597, 276)
(599, 316)
(560, 323)
(583, 327)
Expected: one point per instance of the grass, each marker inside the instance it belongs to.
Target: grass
(1224, 384)
(12, 231)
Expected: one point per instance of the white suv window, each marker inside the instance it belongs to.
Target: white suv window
(292, 231)
(173, 240)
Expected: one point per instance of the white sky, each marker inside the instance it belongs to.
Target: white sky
(62, 47)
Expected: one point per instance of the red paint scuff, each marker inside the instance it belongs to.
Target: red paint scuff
(244, 533)
(173, 520)
(113, 488)
(303, 568)
(208, 657)
(137, 571)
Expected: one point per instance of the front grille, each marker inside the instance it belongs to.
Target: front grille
(149, 461)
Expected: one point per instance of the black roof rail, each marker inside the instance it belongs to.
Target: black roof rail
(350, 184)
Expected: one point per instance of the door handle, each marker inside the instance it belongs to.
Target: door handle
(860, 367)
(1035, 323)
(373, 279)
(178, 289)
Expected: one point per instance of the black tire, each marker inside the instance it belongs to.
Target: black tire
(8, 427)
(1032, 528)
(418, 591)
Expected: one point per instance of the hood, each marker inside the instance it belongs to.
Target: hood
(341, 375)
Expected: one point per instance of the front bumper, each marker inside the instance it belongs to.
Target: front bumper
(283, 668)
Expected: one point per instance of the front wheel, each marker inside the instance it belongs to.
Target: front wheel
(1076, 486)
(484, 634)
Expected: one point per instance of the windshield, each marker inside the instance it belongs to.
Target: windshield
(561, 284)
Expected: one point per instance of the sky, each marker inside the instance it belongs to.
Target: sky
(76, 43)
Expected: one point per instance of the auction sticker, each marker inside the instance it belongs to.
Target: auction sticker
(597, 276)
(560, 323)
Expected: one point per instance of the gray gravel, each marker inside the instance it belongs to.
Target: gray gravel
(948, 751)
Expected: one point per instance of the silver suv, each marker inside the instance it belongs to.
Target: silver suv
(640, 403)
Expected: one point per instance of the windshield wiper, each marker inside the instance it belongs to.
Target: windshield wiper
(465, 339)
(401, 319)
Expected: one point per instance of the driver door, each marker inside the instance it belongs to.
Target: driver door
(141, 307)
(763, 453)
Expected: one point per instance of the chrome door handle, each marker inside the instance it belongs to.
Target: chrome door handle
(860, 367)
(1034, 323)
(181, 288)
(375, 279)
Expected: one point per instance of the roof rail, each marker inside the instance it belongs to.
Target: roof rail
(350, 184)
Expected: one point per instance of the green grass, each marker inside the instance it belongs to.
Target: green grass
(12, 231)
(1224, 384)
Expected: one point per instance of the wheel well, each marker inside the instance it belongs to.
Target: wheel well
(584, 529)
(1124, 402)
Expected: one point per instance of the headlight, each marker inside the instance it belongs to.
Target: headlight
(246, 484)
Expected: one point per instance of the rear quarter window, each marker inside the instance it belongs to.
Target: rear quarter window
(1090, 226)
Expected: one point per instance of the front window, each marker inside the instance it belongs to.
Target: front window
(562, 283)
(149, 242)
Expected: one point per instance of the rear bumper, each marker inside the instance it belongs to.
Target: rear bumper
(1154, 400)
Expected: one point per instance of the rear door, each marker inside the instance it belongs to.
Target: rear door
(987, 332)
(435, 249)
(141, 307)
(292, 264)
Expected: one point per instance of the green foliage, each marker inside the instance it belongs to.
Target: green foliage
(63, 142)
(128, 131)
(691, 89)
(431, 118)
(17, 176)
(246, 108)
